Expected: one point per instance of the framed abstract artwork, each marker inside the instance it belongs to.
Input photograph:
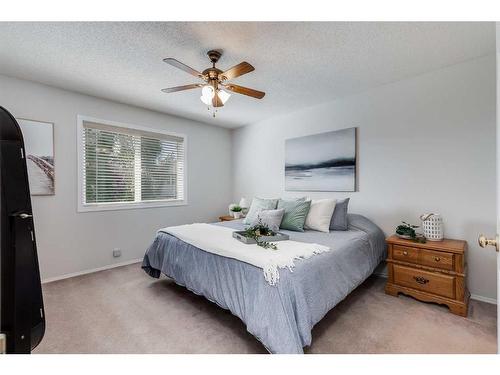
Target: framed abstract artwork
(321, 162)
(39, 147)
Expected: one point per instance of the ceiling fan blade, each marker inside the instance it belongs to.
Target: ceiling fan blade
(216, 102)
(236, 71)
(245, 91)
(181, 88)
(181, 66)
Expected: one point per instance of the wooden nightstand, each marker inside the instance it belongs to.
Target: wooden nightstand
(226, 218)
(431, 272)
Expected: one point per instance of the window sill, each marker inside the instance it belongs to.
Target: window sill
(129, 206)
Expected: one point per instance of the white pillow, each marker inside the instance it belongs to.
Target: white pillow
(320, 215)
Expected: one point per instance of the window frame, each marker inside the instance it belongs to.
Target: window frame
(91, 207)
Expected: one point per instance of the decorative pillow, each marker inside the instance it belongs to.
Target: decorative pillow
(271, 218)
(320, 215)
(259, 204)
(295, 214)
(339, 218)
(301, 199)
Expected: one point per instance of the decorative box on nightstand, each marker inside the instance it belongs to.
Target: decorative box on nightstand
(431, 272)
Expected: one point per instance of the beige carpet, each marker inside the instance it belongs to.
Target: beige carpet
(125, 311)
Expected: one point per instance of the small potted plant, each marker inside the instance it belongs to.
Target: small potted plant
(236, 211)
(407, 231)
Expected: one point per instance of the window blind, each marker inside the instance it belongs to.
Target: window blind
(123, 165)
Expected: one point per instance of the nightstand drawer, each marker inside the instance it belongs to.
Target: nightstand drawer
(405, 254)
(436, 259)
(435, 283)
(430, 258)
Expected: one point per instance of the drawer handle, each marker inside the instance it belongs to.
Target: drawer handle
(405, 253)
(437, 259)
(421, 280)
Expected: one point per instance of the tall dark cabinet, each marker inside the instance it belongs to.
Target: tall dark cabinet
(22, 317)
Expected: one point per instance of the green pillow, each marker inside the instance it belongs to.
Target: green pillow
(295, 214)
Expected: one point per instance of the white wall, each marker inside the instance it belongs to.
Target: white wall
(70, 242)
(425, 144)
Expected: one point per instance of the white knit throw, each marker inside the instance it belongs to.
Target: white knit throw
(219, 240)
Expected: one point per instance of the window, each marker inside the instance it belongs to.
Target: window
(125, 166)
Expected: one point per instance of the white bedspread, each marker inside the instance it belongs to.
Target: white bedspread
(219, 240)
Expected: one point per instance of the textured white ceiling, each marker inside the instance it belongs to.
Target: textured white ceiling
(296, 64)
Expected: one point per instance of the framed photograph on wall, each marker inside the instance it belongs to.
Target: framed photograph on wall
(39, 147)
(321, 162)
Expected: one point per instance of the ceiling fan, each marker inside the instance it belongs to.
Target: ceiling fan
(215, 83)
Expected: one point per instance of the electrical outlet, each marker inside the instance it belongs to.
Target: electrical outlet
(117, 253)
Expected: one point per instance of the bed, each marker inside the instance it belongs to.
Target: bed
(282, 316)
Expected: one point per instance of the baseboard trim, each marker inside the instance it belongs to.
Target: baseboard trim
(476, 297)
(85, 272)
(493, 301)
(132, 261)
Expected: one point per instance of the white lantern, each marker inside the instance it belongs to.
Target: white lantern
(432, 224)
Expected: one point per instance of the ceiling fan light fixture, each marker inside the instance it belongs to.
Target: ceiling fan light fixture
(206, 101)
(223, 96)
(208, 92)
